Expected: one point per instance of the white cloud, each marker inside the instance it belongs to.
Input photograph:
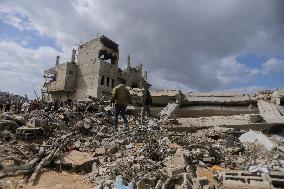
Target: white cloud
(230, 72)
(253, 89)
(15, 18)
(273, 66)
(193, 43)
(21, 68)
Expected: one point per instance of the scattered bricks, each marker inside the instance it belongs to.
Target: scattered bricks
(244, 180)
(175, 172)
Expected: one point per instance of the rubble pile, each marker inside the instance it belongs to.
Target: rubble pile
(82, 140)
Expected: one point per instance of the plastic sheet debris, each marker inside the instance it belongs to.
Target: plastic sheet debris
(120, 185)
(258, 169)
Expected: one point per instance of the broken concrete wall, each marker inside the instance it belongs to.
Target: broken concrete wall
(160, 98)
(231, 99)
(61, 81)
(64, 77)
(214, 110)
(96, 72)
(88, 70)
(93, 69)
(278, 97)
(270, 112)
(108, 72)
(132, 76)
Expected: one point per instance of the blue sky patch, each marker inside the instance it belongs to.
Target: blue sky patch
(28, 39)
(252, 61)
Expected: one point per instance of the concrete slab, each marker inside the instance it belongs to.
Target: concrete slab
(280, 109)
(218, 99)
(236, 121)
(169, 110)
(74, 159)
(270, 112)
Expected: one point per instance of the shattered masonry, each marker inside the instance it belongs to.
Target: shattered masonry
(95, 73)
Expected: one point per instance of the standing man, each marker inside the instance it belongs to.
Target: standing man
(146, 102)
(1, 105)
(8, 106)
(121, 98)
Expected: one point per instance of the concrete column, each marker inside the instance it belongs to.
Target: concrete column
(140, 67)
(57, 60)
(145, 75)
(128, 61)
(73, 55)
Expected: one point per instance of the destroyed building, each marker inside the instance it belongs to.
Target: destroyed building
(95, 73)
(190, 140)
(132, 76)
(196, 140)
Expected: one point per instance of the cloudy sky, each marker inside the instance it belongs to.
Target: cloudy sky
(204, 45)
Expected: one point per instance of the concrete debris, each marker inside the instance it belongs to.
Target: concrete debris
(270, 112)
(169, 110)
(29, 132)
(75, 159)
(166, 152)
(245, 179)
(174, 172)
(258, 169)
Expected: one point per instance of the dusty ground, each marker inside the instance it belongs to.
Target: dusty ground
(49, 180)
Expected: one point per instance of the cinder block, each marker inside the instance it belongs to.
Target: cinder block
(244, 179)
(276, 179)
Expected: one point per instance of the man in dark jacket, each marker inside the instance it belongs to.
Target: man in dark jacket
(1, 106)
(121, 97)
(146, 102)
(8, 106)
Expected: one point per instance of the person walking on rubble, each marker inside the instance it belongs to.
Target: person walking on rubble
(146, 102)
(121, 98)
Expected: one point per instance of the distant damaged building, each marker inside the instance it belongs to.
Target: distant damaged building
(95, 73)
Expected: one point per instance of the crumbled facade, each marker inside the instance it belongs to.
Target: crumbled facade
(95, 73)
(132, 76)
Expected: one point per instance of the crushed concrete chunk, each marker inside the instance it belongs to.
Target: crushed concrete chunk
(74, 158)
(174, 172)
